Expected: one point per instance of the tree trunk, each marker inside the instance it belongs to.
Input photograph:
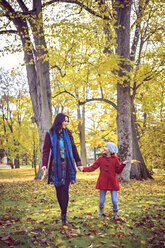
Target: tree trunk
(138, 171)
(43, 92)
(10, 162)
(37, 67)
(37, 63)
(16, 163)
(122, 28)
(81, 129)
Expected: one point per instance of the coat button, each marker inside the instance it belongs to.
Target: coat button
(107, 165)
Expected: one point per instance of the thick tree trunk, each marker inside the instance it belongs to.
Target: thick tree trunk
(43, 112)
(124, 130)
(37, 67)
(123, 88)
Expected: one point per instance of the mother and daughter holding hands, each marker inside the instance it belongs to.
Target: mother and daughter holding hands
(59, 143)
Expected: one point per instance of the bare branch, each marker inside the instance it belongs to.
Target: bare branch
(9, 31)
(137, 30)
(148, 77)
(22, 5)
(14, 13)
(59, 69)
(62, 92)
(88, 100)
(99, 99)
(101, 89)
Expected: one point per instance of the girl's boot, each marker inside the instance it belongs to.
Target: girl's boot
(115, 216)
(101, 212)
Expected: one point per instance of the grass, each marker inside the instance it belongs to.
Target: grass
(30, 215)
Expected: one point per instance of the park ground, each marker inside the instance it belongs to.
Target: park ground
(30, 215)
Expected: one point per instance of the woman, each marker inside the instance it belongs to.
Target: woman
(62, 170)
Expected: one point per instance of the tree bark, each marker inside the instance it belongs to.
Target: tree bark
(81, 129)
(42, 81)
(138, 171)
(37, 63)
(122, 28)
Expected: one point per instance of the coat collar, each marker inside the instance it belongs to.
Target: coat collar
(112, 156)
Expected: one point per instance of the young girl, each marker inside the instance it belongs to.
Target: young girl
(61, 170)
(107, 181)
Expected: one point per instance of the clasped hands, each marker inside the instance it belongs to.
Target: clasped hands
(81, 168)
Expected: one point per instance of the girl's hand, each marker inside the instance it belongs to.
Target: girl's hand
(131, 162)
(126, 162)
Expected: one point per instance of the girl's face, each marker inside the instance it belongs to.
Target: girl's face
(106, 150)
(65, 123)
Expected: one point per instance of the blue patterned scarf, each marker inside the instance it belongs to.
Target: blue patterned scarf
(59, 174)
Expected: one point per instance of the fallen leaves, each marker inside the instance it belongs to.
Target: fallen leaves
(30, 214)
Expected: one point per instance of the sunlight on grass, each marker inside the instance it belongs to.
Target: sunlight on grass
(15, 175)
(92, 175)
(30, 214)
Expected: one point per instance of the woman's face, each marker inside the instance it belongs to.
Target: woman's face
(65, 123)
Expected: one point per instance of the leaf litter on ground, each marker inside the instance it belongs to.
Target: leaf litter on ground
(30, 215)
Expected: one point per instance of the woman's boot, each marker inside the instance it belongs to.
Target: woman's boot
(64, 219)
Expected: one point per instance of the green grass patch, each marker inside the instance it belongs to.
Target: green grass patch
(30, 215)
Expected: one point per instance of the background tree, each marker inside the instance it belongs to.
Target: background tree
(28, 25)
(114, 18)
(18, 134)
(148, 28)
(121, 18)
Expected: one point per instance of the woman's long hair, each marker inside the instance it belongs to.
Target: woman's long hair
(57, 125)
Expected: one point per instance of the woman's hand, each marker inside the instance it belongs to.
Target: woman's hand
(44, 168)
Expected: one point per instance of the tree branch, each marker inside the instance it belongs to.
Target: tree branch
(83, 6)
(65, 91)
(9, 31)
(87, 100)
(146, 79)
(16, 14)
(59, 69)
(99, 99)
(22, 5)
(137, 30)
(102, 94)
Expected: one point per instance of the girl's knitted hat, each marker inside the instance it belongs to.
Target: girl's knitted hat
(112, 147)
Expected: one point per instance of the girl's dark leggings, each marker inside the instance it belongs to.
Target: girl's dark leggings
(62, 193)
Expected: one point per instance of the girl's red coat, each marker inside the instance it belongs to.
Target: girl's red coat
(109, 168)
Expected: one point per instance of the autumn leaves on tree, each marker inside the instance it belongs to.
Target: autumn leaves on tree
(96, 53)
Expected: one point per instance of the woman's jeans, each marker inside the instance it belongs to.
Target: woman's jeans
(113, 198)
(62, 193)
